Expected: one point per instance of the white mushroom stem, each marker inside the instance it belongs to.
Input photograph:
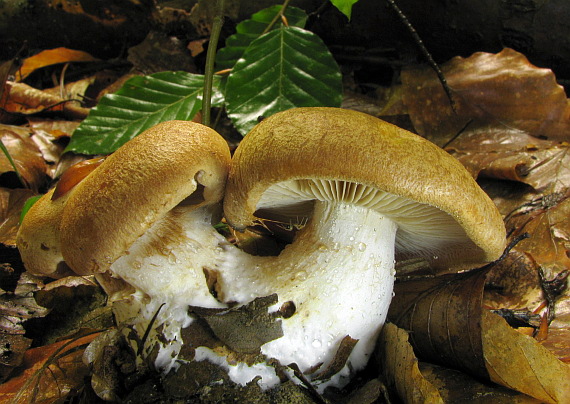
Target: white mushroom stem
(339, 273)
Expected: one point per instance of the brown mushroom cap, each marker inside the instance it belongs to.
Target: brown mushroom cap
(170, 163)
(331, 144)
(38, 237)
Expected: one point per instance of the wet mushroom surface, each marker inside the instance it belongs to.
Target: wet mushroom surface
(360, 194)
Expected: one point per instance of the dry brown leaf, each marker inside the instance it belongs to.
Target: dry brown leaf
(15, 309)
(400, 367)
(50, 373)
(514, 284)
(25, 155)
(514, 155)
(23, 99)
(521, 363)
(443, 317)
(547, 220)
(502, 89)
(11, 203)
(457, 387)
(51, 57)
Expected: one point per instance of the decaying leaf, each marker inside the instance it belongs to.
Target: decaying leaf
(26, 100)
(501, 89)
(49, 373)
(514, 283)
(245, 328)
(521, 363)
(15, 309)
(25, 155)
(506, 153)
(75, 303)
(547, 220)
(11, 203)
(457, 387)
(51, 57)
(400, 367)
(443, 317)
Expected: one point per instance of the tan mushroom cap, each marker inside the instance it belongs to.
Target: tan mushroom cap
(170, 163)
(38, 238)
(338, 144)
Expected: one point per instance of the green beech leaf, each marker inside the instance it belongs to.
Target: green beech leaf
(27, 205)
(285, 68)
(248, 30)
(141, 103)
(345, 6)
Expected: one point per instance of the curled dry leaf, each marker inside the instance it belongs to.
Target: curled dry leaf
(514, 283)
(457, 387)
(547, 220)
(25, 155)
(11, 203)
(507, 153)
(400, 367)
(19, 98)
(521, 363)
(50, 373)
(443, 317)
(501, 89)
(15, 309)
(51, 57)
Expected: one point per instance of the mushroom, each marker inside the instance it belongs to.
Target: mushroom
(358, 190)
(126, 215)
(366, 190)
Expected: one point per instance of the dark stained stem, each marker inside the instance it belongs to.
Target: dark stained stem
(210, 59)
(424, 51)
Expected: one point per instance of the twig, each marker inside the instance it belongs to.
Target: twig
(210, 59)
(425, 52)
(277, 17)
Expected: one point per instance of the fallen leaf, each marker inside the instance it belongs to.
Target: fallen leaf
(12, 348)
(15, 309)
(51, 57)
(513, 283)
(11, 203)
(501, 89)
(457, 387)
(547, 220)
(245, 328)
(49, 373)
(26, 156)
(344, 350)
(443, 315)
(21, 99)
(521, 363)
(399, 367)
(510, 154)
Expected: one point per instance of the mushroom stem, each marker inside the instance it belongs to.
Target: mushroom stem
(339, 273)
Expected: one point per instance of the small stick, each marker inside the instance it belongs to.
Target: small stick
(425, 52)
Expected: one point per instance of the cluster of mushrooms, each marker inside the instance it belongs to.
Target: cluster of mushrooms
(359, 192)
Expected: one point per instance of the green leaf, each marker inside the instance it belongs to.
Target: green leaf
(27, 205)
(249, 30)
(141, 103)
(285, 68)
(345, 6)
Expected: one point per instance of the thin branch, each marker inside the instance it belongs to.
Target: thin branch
(277, 17)
(424, 52)
(210, 59)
